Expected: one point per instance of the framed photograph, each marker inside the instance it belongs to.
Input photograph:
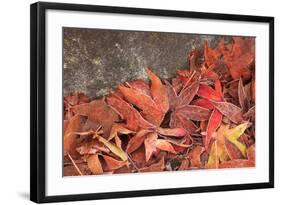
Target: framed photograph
(129, 102)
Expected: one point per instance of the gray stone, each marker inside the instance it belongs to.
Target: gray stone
(96, 61)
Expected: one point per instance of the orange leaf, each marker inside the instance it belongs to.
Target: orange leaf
(194, 156)
(144, 102)
(139, 85)
(158, 92)
(112, 163)
(69, 140)
(165, 146)
(150, 144)
(118, 129)
(133, 118)
(94, 164)
(99, 112)
(137, 140)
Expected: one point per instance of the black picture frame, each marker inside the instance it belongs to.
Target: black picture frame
(38, 100)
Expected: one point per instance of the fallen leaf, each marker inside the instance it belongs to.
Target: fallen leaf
(194, 156)
(94, 164)
(70, 141)
(150, 144)
(137, 140)
(229, 110)
(158, 92)
(165, 146)
(233, 134)
(114, 149)
(213, 124)
(99, 112)
(112, 163)
(158, 166)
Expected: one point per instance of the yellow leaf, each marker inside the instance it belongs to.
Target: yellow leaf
(221, 149)
(233, 135)
(213, 161)
(116, 150)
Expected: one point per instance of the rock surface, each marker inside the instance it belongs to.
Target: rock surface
(97, 60)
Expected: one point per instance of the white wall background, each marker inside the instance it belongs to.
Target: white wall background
(14, 100)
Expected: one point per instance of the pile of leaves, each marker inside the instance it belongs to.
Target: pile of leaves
(202, 118)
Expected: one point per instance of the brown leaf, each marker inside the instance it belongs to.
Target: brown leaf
(137, 140)
(194, 156)
(229, 110)
(150, 110)
(194, 112)
(94, 164)
(240, 57)
(158, 92)
(92, 148)
(181, 120)
(243, 98)
(99, 112)
(158, 166)
(118, 129)
(232, 150)
(184, 164)
(112, 163)
(165, 146)
(150, 144)
(174, 132)
(69, 141)
(187, 94)
(133, 118)
(238, 163)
